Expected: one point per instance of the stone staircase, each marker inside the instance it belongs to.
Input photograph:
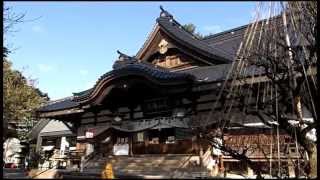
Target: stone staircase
(147, 166)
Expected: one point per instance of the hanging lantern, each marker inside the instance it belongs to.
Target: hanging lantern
(179, 112)
(117, 119)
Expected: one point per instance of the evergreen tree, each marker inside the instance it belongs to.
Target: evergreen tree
(191, 28)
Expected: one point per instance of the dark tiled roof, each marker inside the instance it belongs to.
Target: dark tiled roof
(225, 34)
(229, 40)
(218, 72)
(82, 92)
(209, 73)
(177, 32)
(130, 65)
(152, 70)
(201, 74)
(65, 103)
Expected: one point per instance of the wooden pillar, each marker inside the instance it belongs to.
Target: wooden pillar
(291, 168)
(131, 107)
(82, 161)
(200, 151)
(130, 144)
(291, 171)
(221, 165)
(194, 105)
(146, 142)
(195, 144)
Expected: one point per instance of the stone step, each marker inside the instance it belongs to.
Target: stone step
(148, 162)
(128, 157)
(134, 166)
(164, 174)
(82, 176)
(146, 165)
(143, 164)
(145, 161)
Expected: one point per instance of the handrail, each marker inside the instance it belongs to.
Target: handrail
(32, 177)
(182, 165)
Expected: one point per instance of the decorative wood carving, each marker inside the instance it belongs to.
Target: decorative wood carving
(171, 61)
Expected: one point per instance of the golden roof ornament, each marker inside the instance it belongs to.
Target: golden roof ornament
(163, 46)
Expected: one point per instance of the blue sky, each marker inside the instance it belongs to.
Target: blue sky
(73, 43)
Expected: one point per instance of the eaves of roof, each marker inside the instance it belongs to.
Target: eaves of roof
(65, 103)
(218, 73)
(133, 67)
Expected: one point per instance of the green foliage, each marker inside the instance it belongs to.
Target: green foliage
(191, 28)
(20, 97)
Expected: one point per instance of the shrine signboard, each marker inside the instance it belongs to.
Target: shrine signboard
(121, 149)
(90, 133)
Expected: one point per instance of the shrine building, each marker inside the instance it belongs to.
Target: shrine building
(154, 103)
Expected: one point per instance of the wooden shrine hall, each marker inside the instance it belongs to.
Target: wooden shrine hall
(153, 102)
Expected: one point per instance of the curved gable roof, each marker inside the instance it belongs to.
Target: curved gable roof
(131, 66)
(175, 31)
(178, 33)
(123, 67)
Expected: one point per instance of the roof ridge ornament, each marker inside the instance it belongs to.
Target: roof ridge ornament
(123, 57)
(123, 60)
(165, 13)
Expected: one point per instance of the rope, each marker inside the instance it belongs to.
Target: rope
(243, 65)
(278, 143)
(266, 42)
(293, 20)
(297, 151)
